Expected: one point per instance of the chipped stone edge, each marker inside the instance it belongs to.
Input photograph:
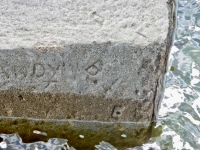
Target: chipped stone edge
(172, 7)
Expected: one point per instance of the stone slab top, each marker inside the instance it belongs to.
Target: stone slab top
(24, 23)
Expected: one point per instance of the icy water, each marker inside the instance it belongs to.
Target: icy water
(179, 114)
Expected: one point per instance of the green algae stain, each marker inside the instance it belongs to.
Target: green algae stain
(93, 133)
(172, 68)
(120, 127)
(156, 130)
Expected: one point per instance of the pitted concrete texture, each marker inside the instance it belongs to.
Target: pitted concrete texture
(98, 60)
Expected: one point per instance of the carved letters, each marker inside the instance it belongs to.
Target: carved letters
(46, 72)
(38, 70)
(3, 73)
(42, 72)
(95, 68)
(34, 68)
(54, 69)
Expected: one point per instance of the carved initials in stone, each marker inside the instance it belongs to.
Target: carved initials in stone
(3, 72)
(38, 70)
(20, 72)
(54, 69)
(47, 70)
(95, 68)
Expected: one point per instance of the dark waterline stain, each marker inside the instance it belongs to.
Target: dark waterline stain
(70, 130)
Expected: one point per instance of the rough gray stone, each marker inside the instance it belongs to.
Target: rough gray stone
(110, 81)
(84, 60)
(99, 61)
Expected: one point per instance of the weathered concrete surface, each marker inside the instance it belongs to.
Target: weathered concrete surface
(83, 60)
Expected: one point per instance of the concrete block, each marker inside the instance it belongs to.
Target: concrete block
(100, 60)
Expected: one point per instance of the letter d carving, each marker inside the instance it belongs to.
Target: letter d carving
(38, 70)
